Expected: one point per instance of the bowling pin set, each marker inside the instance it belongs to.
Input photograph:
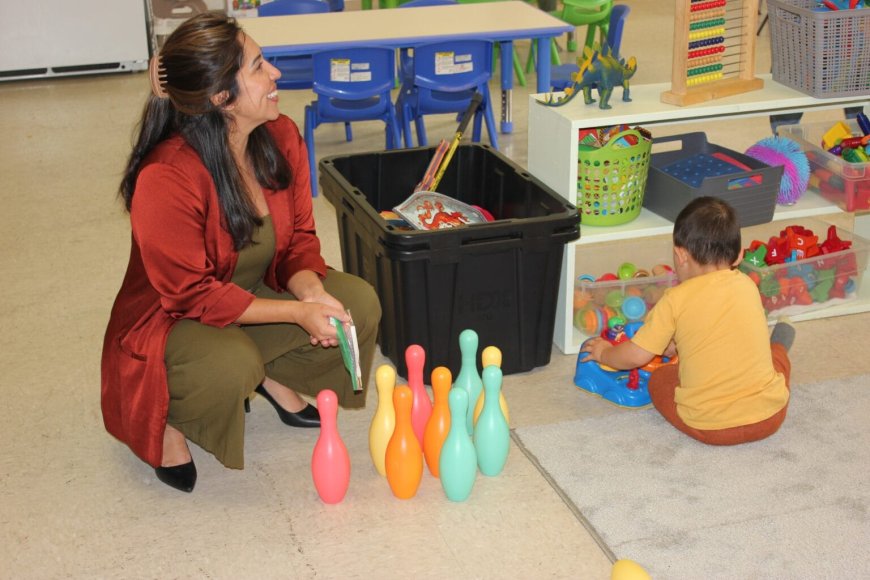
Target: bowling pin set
(465, 429)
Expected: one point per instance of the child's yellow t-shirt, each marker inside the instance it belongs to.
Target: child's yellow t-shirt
(727, 377)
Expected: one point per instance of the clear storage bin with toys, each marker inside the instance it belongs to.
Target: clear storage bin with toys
(625, 282)
(838, 177)
(803, 266)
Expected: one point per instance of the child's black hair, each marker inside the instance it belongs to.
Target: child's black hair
(708, 229)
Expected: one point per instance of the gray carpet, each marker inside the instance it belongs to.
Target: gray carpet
(794, 506)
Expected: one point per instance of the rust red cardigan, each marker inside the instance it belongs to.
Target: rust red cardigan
(181, 263)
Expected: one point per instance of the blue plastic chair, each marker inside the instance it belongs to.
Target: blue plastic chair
(352, 84)
(284, 7)
(406, 55)
(561, 75)
(296, 71)
(446, 75)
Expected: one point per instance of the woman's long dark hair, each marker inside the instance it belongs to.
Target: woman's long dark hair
(201, 58)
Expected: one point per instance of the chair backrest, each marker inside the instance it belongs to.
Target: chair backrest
(286, 7)
(581, 12)
(453, 66)
(354, 74)
(617, 24)
(419, 3)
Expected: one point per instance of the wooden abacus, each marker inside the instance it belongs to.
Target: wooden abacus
(714, 50)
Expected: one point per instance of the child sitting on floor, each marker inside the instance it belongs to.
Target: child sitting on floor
(732, 382)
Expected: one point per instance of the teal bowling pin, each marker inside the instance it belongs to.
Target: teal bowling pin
(457, 463)
(491, 434)
(468, 377)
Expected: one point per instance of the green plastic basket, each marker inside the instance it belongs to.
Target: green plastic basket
(611, 181)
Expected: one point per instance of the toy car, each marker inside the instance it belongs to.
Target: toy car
(627, 388)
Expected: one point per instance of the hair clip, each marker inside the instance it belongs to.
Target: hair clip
(157, 74)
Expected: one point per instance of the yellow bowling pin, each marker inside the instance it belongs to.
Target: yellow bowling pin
(384, 421)
(491, 355)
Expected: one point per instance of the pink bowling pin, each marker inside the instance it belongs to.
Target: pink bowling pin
(330, 462)
(415, 358)
(439, 421)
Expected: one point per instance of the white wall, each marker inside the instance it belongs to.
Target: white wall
(44, 34)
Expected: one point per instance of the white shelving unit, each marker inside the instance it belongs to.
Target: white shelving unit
(552, 158)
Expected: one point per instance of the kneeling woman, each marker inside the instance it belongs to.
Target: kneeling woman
(226, 292)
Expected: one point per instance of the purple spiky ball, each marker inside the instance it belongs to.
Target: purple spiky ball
(796, 168)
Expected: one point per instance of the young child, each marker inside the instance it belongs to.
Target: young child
(732, 384)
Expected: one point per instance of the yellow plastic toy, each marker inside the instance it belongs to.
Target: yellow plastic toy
(836, 134)
(628, 570)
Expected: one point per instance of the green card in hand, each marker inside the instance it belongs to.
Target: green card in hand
(349, 346)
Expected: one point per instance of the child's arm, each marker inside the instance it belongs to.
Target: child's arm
(622, 356)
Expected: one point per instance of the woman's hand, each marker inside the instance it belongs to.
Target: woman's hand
(319, 307)
(315, 317)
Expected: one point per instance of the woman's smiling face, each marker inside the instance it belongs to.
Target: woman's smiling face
(257, 101)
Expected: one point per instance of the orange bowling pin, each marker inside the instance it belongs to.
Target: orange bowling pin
(491, 355)
(439, 421)
(404, 458)
(384, 420)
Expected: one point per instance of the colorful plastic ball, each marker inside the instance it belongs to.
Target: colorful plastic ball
(634, 308)
(626, 271)
(628, 570)
(661, 270)
(607, 277)
(590, 320)
(614, 298)
(634, 290)
(641, 273)
(581, 298)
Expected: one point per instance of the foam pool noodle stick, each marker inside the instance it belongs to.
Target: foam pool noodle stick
(796, 168)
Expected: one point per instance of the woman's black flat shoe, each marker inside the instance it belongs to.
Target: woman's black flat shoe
(181, 477)
(307, 417)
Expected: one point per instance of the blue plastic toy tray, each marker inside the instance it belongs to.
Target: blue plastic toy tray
(693, 170)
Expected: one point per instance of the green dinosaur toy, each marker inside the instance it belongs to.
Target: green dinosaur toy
(599, 68)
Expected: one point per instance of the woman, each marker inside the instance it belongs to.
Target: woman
(225, 291)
